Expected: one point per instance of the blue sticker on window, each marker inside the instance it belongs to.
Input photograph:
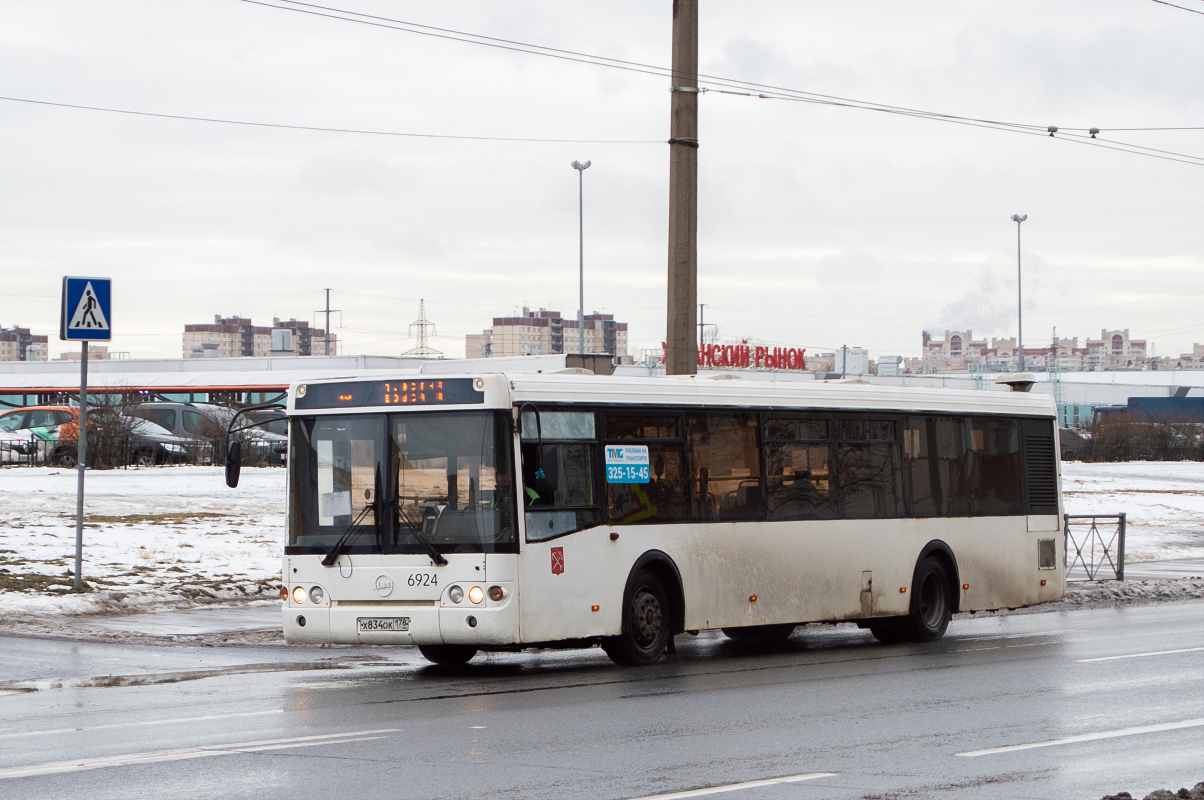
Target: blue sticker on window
(627, 463)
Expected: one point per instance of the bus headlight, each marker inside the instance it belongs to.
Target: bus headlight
(316, 595)
(496, 593)
(299, 595)
(455, 594)
(476, 594)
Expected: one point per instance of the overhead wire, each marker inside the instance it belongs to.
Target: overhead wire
(720, 85)
(327, 129)
(1181, 8)
(725, 85)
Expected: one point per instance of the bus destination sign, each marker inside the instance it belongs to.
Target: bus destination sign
(416, 392)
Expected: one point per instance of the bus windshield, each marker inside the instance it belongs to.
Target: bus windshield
(401, 483)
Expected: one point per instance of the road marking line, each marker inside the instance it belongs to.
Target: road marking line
(736, 787)
(1090, 737)
(185, 753)
(1141, 655)
(147, 722)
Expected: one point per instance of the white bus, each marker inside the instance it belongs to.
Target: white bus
(503, 511)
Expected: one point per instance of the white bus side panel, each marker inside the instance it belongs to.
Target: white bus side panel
(558, 605)
(798, 571)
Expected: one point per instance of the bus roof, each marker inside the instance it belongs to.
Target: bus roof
(706, 391)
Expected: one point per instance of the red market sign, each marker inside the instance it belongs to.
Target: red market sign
(743, 355)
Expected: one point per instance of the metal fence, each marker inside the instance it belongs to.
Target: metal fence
(1095, 545)
(39, 452)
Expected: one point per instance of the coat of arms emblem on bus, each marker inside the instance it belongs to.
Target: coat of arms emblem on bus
(557, 560)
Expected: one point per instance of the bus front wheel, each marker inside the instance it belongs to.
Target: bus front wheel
(646, 619)
(447, 655)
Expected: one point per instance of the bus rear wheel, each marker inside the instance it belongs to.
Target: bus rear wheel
(646, 615)
(931, 603)
(447, 655)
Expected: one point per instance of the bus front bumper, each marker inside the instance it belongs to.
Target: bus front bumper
(369, 623)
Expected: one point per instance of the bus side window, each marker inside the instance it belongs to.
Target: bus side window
(995, 466)
(926, 495)
(799, 481)
(663, 497)
(869, 476)
(725, 466)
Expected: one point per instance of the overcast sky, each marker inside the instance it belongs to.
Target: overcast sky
(819, 225)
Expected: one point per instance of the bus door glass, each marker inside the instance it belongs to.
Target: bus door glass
(559, 455)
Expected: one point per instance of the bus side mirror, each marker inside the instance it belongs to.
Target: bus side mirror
(233, 463)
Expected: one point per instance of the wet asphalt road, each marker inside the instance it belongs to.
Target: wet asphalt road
(121, 721)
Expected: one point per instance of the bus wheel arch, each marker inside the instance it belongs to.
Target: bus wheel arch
(665, 568)
(653, 612)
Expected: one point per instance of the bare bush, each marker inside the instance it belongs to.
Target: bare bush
(1147, 439)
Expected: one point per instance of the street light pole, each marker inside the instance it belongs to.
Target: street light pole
(1018, 218)
(581, 168)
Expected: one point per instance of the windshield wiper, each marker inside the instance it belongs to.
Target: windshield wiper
(357, 527)
(413, 530)
(354, 529)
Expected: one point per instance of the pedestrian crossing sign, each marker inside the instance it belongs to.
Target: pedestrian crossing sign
(87, 310)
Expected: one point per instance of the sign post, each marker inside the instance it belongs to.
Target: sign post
(86, 317)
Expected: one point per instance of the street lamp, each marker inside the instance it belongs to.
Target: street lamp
(1018, 218)
(581, 168)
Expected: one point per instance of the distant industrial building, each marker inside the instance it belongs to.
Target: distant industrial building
(18, 344)
(96, 352)
(959, 351)
(229, 337)
(545, 332)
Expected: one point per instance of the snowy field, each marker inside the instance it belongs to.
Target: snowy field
(1164, 501)
(150, 535)
(171, 534)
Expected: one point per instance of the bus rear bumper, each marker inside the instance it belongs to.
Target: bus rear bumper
(483, 625)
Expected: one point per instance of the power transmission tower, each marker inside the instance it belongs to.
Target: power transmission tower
(327, 311)
(423, 350)
(681, 355)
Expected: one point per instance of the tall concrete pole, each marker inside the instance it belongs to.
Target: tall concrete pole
(681, 355)
(581, 168)
(1018, 218)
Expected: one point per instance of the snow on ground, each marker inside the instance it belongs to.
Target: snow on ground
(150, 535)
(167, 535)
(1163, 501)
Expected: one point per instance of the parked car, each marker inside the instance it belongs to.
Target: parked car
(32, 431)
(209, 421)
(116, 439)
(153, 444)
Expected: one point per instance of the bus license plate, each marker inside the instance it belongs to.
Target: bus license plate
(369, 624)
